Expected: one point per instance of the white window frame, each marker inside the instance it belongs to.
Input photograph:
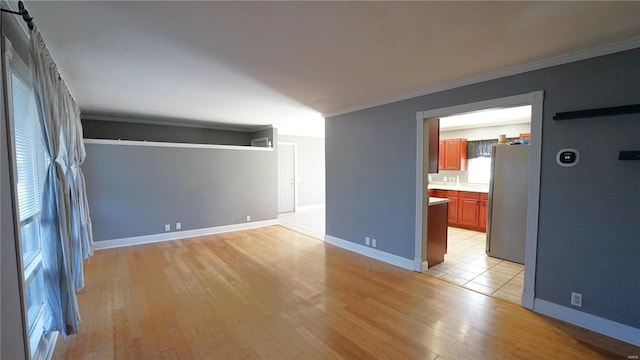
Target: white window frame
(30, 266)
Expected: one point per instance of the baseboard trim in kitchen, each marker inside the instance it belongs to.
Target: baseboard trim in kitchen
(600, 325)
(147, 239)
(370, 252)
(309, 207)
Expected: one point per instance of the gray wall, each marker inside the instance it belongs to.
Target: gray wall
(11, 325)
(589, 226)
(311, 177)
(135, 190)
(131, 130)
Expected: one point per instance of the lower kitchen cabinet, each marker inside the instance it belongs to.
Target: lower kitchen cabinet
(484, 211)
(466, 210)
(453, 206)
(437, 193)
(436, 234)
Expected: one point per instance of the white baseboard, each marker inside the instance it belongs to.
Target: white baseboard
(600, 325)
(146, 239)
(424, 266)
(528, 299)
(371, 252)
(309, 207)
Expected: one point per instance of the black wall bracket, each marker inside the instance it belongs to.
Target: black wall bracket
(629, 155)
(609, 111)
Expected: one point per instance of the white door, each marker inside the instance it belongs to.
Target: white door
(286, 177)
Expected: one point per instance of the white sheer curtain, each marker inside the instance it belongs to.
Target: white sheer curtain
(66, 234)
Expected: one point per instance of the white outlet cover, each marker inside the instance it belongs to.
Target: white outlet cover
(178, 226)
(248, 218)
(167, 227)
(373, 242)
(576, 299)
(367, 241)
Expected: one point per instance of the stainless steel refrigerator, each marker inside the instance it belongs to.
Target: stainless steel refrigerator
(508, 195)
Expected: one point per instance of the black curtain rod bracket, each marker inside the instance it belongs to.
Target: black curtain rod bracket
(22, 12)
(608, 111)
(629, 155)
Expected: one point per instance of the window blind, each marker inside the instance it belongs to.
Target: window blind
(482, 148)
(30, 155)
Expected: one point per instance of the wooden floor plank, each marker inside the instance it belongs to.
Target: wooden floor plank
(273, 293)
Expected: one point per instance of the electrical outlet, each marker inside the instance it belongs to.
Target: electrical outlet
(248, 218)
(167, 227)
(373, 242)
(367, 241)
(576, 299)
(178, 226)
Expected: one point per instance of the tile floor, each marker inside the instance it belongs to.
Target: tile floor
(309, 222)
(467, 265)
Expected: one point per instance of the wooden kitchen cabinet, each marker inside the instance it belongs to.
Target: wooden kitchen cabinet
(441, 155)
(453, 207)
(468, 209)
(433, 126)
(436, 234)
(453, 154)
(484, 212)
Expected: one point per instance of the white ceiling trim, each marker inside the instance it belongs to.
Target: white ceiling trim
(513, 70)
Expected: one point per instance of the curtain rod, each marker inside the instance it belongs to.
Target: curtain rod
(24, 13)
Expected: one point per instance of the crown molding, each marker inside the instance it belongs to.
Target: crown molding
(513, 70)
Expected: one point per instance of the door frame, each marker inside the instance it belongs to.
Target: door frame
(535, 99)
(295, 171)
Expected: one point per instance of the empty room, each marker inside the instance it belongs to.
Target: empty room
(320, 180)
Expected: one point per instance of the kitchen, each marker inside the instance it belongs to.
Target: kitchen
(484, 185)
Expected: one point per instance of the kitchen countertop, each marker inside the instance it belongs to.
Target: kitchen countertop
(437, 201)
(460, 187)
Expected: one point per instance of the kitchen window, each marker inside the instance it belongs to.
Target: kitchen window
(30, 172)
(479, 170)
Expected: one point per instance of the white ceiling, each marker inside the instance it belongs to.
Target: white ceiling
(287, 63)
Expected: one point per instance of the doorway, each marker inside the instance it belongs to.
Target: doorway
(301, 185)
(534, 99)
(286, 177)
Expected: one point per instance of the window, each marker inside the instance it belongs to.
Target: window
(479, 170)
(30, 161)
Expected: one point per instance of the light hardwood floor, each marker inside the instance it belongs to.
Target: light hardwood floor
(273, 293)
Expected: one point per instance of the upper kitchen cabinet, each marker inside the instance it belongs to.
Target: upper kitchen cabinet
(433, 126)
(453, 154)
(441, 154)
